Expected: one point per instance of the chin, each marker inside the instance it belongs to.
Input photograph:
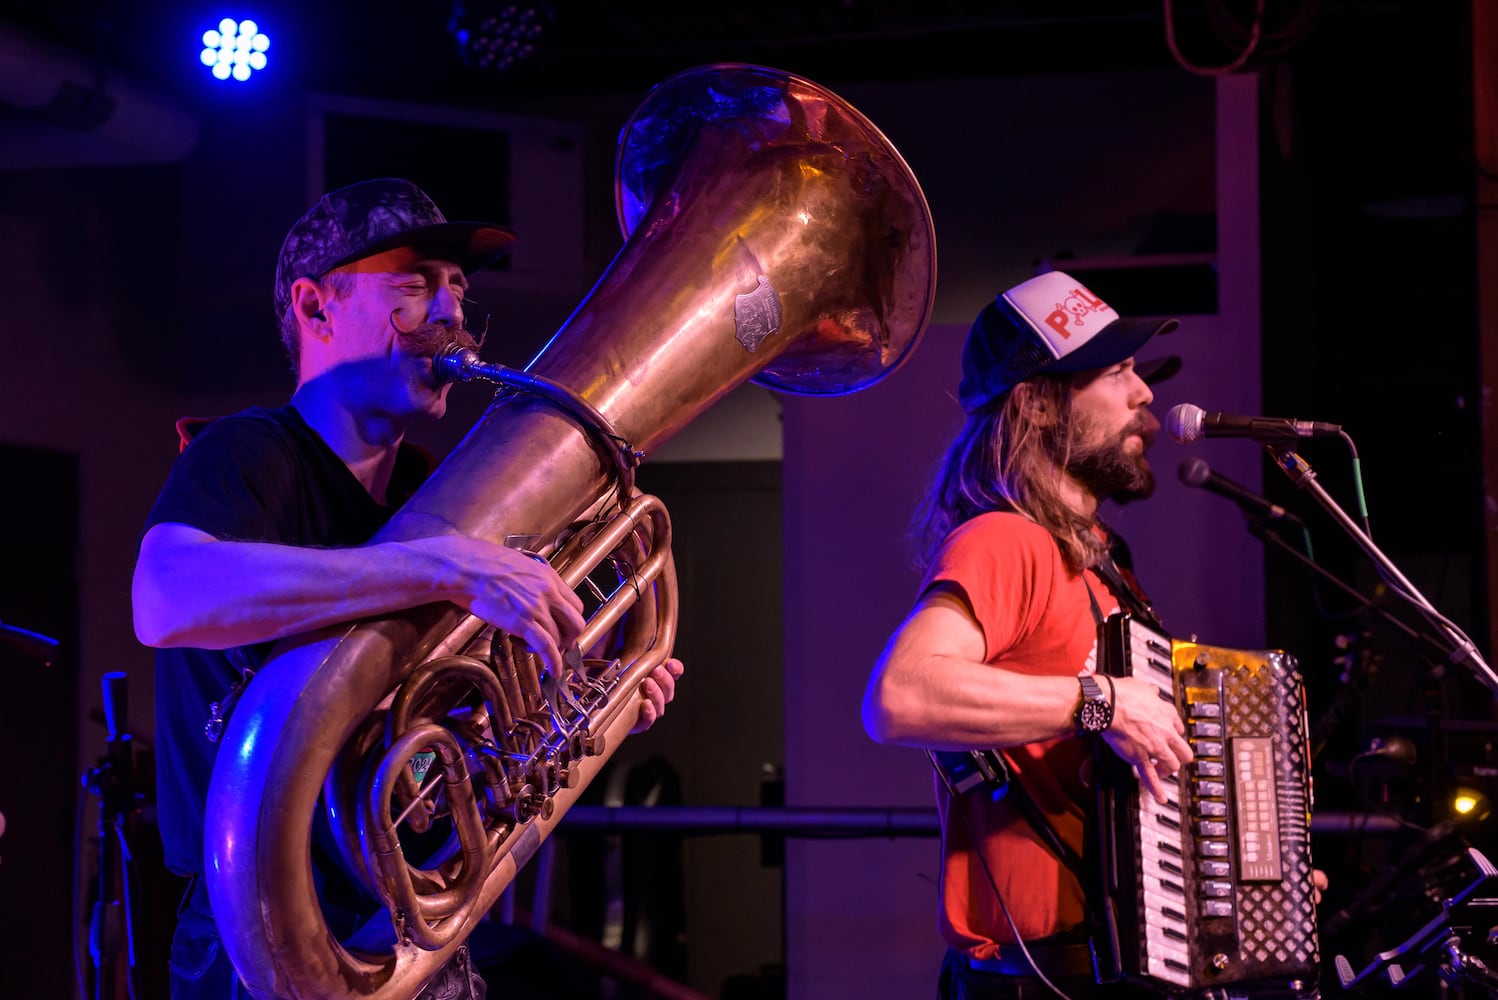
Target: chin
(427, 400)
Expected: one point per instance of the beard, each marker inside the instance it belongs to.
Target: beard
(1103, 465)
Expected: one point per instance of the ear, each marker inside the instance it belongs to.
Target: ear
(1036, 407)
(307, 301)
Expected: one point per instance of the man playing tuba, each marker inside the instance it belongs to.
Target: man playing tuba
(262, 530)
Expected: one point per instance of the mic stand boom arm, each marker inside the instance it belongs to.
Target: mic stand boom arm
(1269, 536)
(1462, 649)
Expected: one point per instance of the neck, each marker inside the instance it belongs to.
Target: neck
(366, 441)
(1078, 497)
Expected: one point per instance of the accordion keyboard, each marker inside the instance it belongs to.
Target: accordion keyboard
(1213, 888)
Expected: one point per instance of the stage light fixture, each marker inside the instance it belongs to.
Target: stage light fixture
(494, 36)
(1469, 805)
(234, 49)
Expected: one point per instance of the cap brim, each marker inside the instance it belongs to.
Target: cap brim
(471, 245)
(1115, 342)
(1157, 370)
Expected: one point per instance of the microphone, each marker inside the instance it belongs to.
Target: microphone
(1195, 472)
(1394, 749)
(27, 643)
(1186, 423)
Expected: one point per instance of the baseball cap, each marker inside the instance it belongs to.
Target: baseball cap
(1050, 323)
(373, 216)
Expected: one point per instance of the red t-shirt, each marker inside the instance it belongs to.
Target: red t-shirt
(1036, 619)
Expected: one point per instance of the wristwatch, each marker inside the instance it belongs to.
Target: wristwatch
(1095, 713)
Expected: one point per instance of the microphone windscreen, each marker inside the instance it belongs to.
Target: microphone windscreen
(1184, 422)
(1194, 472)
(1398, 749)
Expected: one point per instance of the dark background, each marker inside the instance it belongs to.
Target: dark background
(1371, 276)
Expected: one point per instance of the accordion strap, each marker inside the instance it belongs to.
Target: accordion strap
(1123, 586)
(1027, 806)
(1047, 832)
(1085, 870)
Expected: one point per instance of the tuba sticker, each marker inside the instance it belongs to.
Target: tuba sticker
(756, 315)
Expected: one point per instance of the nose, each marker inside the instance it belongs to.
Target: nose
(1144, 393)
(446, 307)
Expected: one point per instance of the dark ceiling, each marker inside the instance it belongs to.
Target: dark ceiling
(383, 49)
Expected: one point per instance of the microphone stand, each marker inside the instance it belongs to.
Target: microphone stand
(112, 927)
(1265, 533)
(1448, 943)
(1461, 648)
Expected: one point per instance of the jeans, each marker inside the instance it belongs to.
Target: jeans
(959, 982)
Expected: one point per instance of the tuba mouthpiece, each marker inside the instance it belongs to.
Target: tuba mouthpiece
(454, 364)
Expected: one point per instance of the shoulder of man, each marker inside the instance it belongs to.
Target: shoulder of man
(190, 428)
(996, 545)
(1002, 528)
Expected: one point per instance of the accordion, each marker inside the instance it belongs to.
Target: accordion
(1210, 894)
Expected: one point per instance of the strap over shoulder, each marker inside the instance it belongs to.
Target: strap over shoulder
(189, 428)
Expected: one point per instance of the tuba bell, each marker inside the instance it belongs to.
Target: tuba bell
(773, 234)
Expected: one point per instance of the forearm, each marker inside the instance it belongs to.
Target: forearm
(194, 590)
(946, 702)
(933, 688)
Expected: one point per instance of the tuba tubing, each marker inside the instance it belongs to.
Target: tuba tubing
(774, 235)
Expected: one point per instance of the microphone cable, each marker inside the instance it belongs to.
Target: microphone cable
(1003, 906)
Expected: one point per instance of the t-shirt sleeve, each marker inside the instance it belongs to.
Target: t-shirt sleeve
(1004, 566)
(228, 481)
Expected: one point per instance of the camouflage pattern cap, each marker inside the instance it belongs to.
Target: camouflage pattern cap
(371, 217)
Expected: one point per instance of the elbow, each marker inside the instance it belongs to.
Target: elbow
(150, 628)
(155, 625)
(149, 632)
(880, 720)
(879, 725)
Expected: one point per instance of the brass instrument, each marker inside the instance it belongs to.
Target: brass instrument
(773, 234)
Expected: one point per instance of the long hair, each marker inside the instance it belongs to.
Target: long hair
(1010, 456)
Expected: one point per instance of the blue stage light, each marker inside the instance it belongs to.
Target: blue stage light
(494, 35)
(234, 49)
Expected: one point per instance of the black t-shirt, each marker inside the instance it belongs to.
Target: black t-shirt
(259, 475)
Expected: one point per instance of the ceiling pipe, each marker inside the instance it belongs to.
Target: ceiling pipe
(70, 111)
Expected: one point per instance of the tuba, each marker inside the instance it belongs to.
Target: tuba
(773, 234)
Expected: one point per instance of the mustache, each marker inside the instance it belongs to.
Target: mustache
(426, 340)
(1146, 426)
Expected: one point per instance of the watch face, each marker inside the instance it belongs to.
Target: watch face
(1094, 716)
